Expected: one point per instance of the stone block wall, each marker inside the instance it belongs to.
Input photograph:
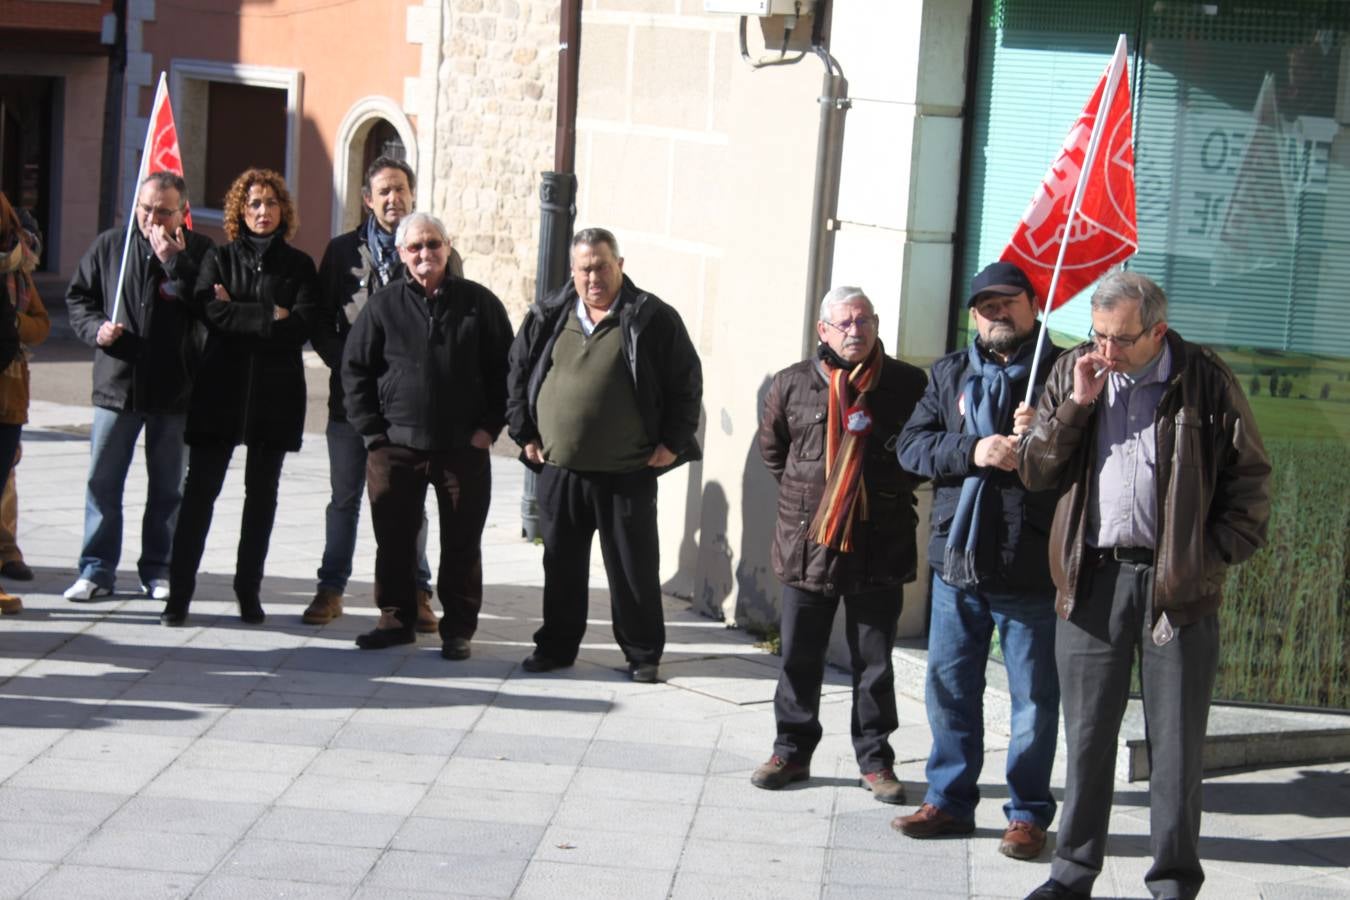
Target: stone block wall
(495, 130)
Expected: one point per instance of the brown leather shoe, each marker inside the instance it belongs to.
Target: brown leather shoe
(9, 604)
(1022, 840)
(778, 773)
(884, 786)
(929, 822)
(427, 623)
(324, 608)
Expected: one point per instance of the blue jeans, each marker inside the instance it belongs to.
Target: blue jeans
(112, 443)
(347, 476)
(958, 652)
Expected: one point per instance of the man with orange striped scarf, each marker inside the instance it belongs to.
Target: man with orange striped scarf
(845, 532)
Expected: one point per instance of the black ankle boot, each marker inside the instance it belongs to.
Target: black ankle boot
(175, 613)
(250, 609)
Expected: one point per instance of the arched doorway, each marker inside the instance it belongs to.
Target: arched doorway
(373, 127)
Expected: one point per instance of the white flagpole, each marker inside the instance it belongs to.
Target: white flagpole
(1113, 76)
(161, 92)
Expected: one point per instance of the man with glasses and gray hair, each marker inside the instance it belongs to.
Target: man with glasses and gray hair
(145, 356)
(1163, 484)
(355, 265)
(424, 374)
(844, 534)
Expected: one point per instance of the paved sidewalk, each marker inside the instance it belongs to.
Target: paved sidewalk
(221, 760)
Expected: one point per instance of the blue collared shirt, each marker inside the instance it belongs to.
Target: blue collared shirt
(584, 317)
(1123, 500)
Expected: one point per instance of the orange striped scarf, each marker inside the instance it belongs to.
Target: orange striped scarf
(845, 498)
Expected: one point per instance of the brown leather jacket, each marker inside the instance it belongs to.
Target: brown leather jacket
(1212, 478)
(792, 442)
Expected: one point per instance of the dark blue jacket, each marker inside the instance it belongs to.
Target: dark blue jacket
(935, 445)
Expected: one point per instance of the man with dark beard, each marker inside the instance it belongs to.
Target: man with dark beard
(990, 570)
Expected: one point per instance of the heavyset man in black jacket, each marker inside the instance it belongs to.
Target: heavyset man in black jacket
(425, 379)
(604, 395)
(990, 570)
(144, 364)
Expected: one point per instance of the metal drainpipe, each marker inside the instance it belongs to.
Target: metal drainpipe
(834, 103)
(557, 207)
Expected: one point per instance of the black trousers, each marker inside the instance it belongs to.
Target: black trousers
(622, 507)
(207, 464)
(869, 621)
(397, 480)
(1093, 653)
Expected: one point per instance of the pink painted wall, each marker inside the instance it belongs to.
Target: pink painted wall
(345, 51)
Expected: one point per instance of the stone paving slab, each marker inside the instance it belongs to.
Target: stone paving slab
(221, 760)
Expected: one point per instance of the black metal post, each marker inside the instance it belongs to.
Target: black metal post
(557, 213)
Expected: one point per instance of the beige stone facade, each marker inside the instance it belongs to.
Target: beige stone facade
(496, 112)
(704, 166)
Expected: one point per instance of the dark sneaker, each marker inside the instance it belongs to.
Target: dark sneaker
(389, 632)
(1022, 840)
(1053, 890)
(250, 608)
(643, 673)
(538, 662)
(17, 569)
(455, 648)
(929, 822)
(778, 773)
(324, 608)
(427, 623)
(884, 786)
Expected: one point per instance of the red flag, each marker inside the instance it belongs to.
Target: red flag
(161, 146)
(1102, 232)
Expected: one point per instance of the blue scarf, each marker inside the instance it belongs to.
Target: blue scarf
(991, 393)
(381, 244)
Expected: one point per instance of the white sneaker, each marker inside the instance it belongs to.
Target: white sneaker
(84, 590)
(156, 588)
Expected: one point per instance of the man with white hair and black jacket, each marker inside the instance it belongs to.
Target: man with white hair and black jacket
(424, 373)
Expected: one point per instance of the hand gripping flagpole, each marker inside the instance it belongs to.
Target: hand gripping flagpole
(161, 96)
(1113, 76)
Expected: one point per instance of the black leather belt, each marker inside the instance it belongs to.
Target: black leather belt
(1139, 556)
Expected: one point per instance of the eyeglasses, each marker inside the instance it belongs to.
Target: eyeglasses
(159, 212)
(429, 245)
(862, 323)
(1124, 342)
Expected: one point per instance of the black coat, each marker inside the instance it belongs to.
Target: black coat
(792, 443)
(665, 368)
(9, 327)
(426, 373)
(150, 368)
(251, 386)
(935, 445)
(348, 277)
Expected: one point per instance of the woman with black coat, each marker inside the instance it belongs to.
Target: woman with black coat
(259, 296)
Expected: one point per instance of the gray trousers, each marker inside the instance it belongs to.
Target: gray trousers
(1094, 652)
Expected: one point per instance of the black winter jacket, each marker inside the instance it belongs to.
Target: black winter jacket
(666, 371)
(9, 328)
(151, 367)
(792, 443)
(251, 387)
(935, 445)
(426, 373)
(348, 277)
